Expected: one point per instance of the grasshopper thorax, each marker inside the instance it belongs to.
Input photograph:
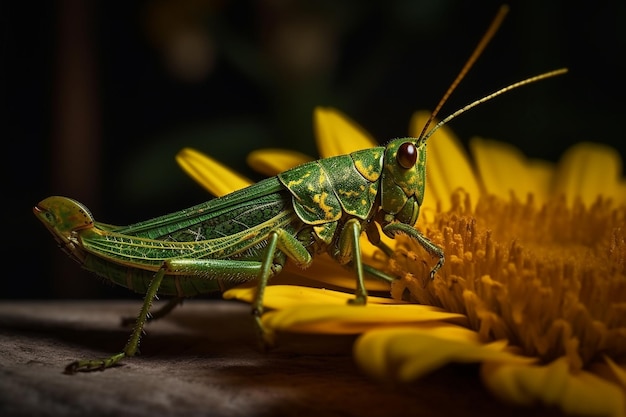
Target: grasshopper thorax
(403, 180)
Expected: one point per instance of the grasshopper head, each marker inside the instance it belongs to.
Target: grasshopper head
(64, 217)
(403, 180)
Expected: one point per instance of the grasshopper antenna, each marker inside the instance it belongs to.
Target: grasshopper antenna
(491, 31)
(539, 77)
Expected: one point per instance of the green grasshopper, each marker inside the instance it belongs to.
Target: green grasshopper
(318, 207)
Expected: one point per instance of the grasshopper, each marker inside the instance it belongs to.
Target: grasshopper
(319, 207)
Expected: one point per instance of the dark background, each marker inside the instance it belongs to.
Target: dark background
(99, 96)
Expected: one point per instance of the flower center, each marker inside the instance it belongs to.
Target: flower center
(551, 280)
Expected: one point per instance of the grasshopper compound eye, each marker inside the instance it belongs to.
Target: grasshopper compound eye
(407, 155)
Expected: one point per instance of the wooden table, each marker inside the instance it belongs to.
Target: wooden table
(203, 359)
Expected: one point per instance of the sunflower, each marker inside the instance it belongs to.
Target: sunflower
(534, 285)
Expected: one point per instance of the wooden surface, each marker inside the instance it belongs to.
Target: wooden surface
(203, 359)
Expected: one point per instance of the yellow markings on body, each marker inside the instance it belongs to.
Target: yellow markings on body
(298, 182)
(322, 179)
(349, 193)
(250, 236)
(293, 183)
(368, 172)
(320, 200)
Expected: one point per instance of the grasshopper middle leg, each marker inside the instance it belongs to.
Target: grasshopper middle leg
(293, 249)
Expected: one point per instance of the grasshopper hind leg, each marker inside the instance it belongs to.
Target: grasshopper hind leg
(280, 246)
(161, 312)
(133, 342)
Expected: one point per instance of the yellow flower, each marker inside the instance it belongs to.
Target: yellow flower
(534, 285)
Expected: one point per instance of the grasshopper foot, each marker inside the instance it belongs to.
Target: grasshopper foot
(88, 365)
(433, 272)
(358, 300)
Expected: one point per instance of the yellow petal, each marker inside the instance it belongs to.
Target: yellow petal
(337, 134)
(588, 170)
(216, 178)
(503, 169)
(580, 393)
(272, 162)
(325, 270)
(348, 319)
(448, 167)
(542, 173)
(288, 296)
(407, 353)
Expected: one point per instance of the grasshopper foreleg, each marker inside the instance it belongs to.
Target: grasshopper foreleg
(394, 228)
